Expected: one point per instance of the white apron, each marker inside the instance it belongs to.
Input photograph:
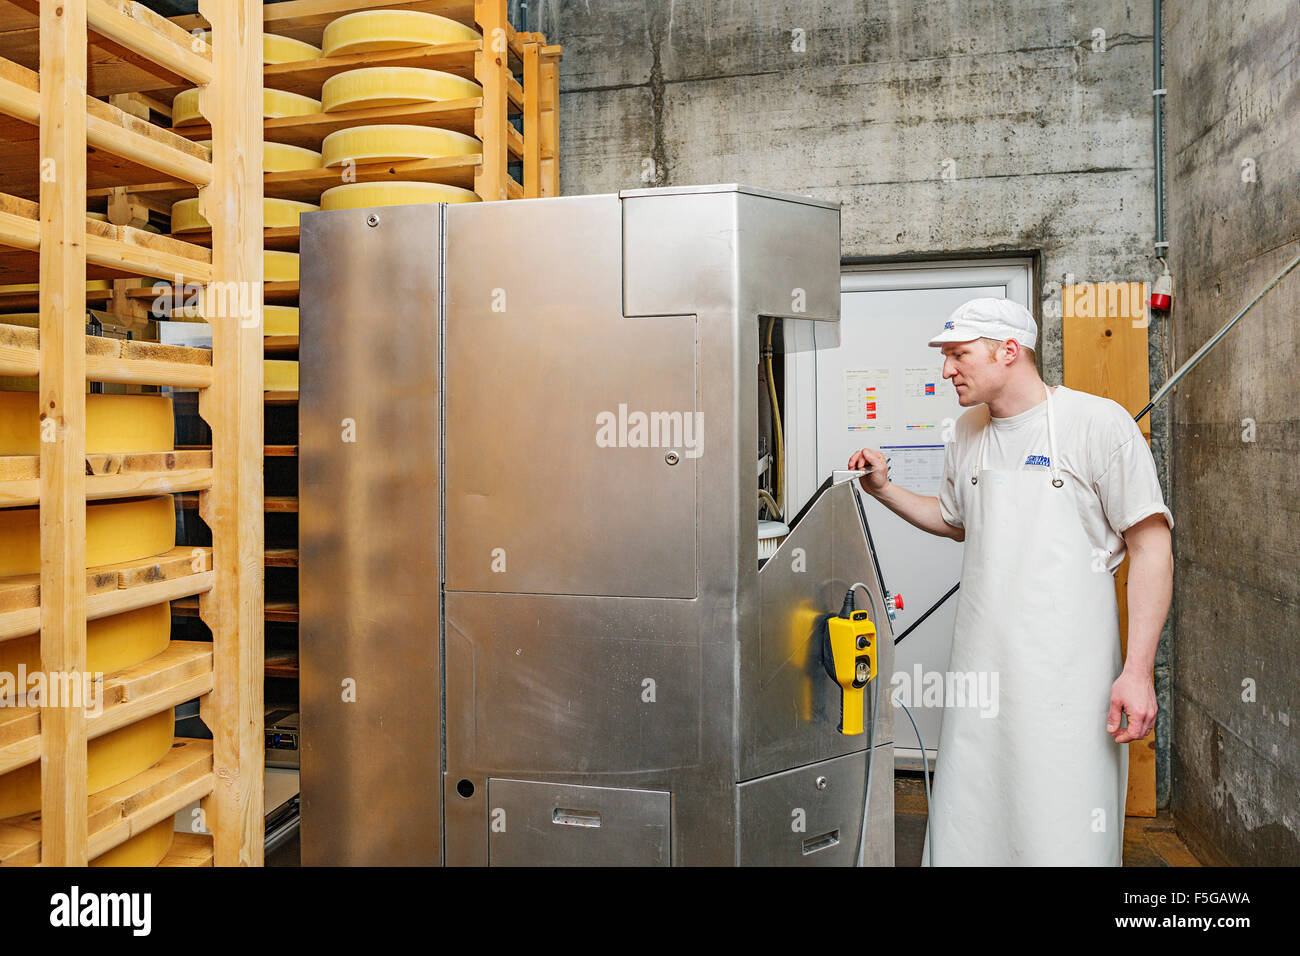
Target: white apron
(1041, 783)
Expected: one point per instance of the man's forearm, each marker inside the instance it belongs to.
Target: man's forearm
(1150, 588)
(919, 510)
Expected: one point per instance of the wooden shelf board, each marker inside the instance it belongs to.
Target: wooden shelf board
(112, 589)
(281, 557)
(273, 293)
(119, 813)
(307, 76)
(273, 503)
(112, 476)
(189, 849)
(307, 185)
(306, 19)
(275, 611)
(122, 249)
(285, 665)
(113, 360)
(182, 672)
(309, 130)
(111, 67)
(280, 344)
(283, 238)
(268, 451)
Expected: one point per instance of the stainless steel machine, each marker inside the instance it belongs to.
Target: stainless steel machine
(535, 629)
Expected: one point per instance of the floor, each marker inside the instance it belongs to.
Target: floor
(1147, 841)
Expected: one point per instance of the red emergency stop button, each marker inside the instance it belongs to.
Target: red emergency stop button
(896, 602)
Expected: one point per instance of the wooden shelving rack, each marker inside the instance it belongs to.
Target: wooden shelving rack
(516, 120)
(46, 176)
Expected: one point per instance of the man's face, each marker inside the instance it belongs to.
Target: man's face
(975, 374)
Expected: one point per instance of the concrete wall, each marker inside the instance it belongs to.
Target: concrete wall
(943, 126)
(1234, 220)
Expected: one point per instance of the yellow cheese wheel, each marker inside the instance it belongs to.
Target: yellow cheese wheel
(112, 643)
(283, 158)
(277, 49)
(365, 195)
(280, 375)
(276, 213)
(279, 320)
(144, 849)
(185, 107)
(113, 423)
(395, 144)
(110, 760)
(120, 530)
(279, 266)
(393, 86)
(373, 30)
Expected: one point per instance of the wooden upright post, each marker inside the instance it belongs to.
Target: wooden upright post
(492, 70)
(233, 408)
(532, 119)
(550, 142)
(1104, 351)
(63, 436)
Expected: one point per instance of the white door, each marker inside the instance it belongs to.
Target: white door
(882, 387)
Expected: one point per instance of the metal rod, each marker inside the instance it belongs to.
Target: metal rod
(1204, 350)
(1156, 399)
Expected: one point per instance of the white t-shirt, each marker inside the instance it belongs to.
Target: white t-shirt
(1101, 450)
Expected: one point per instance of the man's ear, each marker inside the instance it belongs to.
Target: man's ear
(1013, 350)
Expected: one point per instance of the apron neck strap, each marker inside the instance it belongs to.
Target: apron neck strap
(1052, 463)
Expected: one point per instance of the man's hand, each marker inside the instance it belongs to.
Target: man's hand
(1135, 695)
(872, 462)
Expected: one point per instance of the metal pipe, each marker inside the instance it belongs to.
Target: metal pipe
(1158, 106)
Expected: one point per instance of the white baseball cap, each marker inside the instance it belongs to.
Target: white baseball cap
(989, 318)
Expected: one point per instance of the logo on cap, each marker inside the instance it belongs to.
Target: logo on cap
(948, 325)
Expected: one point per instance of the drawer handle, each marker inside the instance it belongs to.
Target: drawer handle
(575, 818)
(823, 842)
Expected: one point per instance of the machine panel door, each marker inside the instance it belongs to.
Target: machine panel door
(804, 817)
(550, 824)
(572, 432)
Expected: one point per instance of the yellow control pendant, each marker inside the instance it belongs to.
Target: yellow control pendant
(849, 656)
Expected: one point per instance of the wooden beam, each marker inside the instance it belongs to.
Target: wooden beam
(110, 128)
(532, 120)
(550, 166)
(492, 72)
(153, 36)
(63, 423)
(1104, 351)
(233, 409)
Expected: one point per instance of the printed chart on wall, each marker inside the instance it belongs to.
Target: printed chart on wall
(868, 401)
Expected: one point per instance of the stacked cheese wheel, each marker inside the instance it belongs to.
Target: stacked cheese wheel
(276, 213)
(275, 103)
(116, 531)
(378, 87)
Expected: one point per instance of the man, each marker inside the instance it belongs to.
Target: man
(1048, 489)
